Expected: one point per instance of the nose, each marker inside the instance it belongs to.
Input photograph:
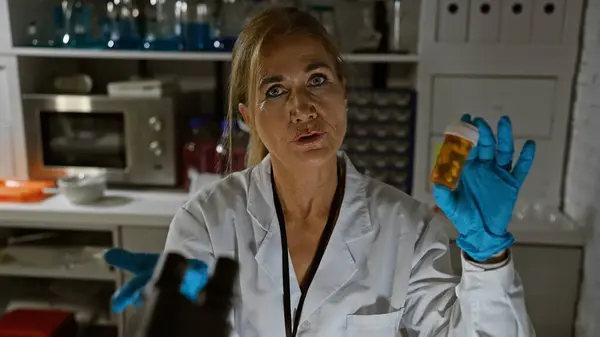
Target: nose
(302, 109)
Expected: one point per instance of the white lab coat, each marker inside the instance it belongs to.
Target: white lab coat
(386, 271)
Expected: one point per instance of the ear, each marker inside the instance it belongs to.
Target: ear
(244, 112)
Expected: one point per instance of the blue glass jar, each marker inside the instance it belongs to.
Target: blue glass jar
(163, 30)
(199, 30)
(78, 18)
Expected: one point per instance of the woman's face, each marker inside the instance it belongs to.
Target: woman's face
(300, 111)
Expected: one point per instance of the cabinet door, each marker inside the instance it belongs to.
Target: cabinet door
(144, 239)
(484, 21)
(9, 123)
(548, 21)
(491, 97)
(515, 26)
(5, 29)
(452, 19)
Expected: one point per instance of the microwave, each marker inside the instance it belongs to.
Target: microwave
(135, 139)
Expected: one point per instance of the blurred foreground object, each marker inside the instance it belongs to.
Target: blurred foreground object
(167, 312)
(38, 323)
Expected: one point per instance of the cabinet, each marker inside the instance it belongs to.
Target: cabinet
(505, 65)
(484, 21)
(5, 31)
(517, 17)
(548, 20)
(10, 120)
(7, 168)
(492, 97)
(452, 24)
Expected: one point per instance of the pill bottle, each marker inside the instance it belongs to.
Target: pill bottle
(458, 140)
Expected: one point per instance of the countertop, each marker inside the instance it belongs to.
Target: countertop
(156, 209)
(119, 207)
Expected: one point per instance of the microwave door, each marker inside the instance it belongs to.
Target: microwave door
(73, 139)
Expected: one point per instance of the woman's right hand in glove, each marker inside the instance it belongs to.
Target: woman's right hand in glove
(142, 266)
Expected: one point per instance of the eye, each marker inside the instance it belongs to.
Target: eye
(274, 91)
(317, 80)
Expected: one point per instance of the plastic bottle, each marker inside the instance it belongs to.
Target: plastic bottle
(458, 140)
(199, 152)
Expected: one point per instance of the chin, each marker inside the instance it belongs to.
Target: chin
(315, 157)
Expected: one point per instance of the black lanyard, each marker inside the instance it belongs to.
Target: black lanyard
(314, 266)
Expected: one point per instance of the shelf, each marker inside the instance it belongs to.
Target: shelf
(381, 58)
(186, 56)
(35, 293)
(17, 261)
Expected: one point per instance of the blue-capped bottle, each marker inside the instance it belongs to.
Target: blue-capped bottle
(199, 30)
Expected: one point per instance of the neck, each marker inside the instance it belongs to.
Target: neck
(303, 191)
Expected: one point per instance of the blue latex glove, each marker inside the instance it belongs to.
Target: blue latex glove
(142, 265)
(482, 205)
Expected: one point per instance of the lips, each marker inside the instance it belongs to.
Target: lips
(305, 135)
(309, 137)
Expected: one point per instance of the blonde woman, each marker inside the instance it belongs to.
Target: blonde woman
(324, 250)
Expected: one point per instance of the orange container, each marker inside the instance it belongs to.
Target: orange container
(24, 190)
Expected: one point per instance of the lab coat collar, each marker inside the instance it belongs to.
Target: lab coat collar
(346, 247)
(262, 209)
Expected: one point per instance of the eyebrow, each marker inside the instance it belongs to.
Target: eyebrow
(278, 78)
(270, 79)
(316, 65)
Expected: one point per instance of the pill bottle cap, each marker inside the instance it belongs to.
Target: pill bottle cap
(464, 130)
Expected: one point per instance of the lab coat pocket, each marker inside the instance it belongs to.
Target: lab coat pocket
(382, 325)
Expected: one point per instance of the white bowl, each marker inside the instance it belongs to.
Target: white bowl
(85, 187)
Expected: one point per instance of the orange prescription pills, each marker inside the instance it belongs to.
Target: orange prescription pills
(458, 140)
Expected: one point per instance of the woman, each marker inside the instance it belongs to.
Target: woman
(364, 259)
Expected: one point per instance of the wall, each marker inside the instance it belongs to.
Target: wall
(582, 181)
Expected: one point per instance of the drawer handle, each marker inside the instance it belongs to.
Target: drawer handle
(549, 8)
(453, 8)
(517, 8)
(485, 8)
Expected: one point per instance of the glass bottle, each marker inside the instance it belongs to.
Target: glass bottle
(33, 37)
(126, 34)
(368, 38)
(78, 17)
(231, 20)
(161, 25)
(199, 31)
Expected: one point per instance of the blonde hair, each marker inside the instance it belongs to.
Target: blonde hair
(269, 25)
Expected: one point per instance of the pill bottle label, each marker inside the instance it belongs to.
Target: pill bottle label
(450, 161)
